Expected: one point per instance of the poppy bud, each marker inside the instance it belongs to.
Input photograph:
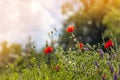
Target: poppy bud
(81, 45)
(70, 29)
(57, 68)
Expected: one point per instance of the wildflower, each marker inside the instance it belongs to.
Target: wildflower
(109, 44)
(101, 53)
(109, 64)
(57, 68)
(115, 77)
(97, 65)
(81, 45)
(70, 29)
(110, 67)
(48, 50)
(86, 49)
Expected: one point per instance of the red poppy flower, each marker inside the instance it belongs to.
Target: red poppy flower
(70, 29)
(48, 50)
(108, 44)
(57, 68)
(81, 45)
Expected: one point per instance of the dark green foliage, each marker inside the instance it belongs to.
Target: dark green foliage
(88, 20)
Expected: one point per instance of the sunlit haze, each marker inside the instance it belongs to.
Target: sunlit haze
(22, 18)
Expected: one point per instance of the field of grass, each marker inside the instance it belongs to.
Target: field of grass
(66, 65)
(81, 62)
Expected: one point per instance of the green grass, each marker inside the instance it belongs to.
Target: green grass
(74, 65)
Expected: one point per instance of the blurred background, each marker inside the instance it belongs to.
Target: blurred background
(22, 18)
(25, 24)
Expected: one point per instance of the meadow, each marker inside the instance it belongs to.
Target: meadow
(85, 44)
(83, 62)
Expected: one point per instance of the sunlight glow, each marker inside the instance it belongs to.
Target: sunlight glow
(35, 6)
(22, 18)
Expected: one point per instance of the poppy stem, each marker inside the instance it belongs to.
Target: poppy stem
(49, 59)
